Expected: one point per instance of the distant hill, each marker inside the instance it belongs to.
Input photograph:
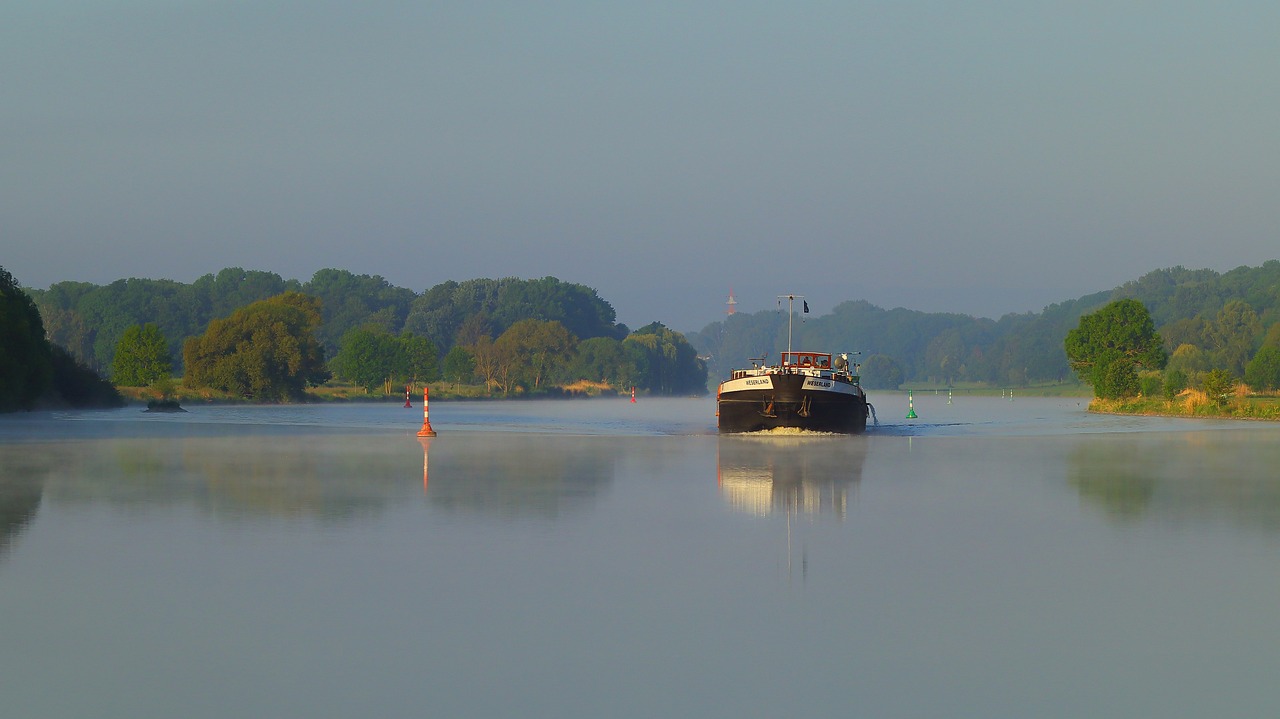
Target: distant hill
(1016, 349)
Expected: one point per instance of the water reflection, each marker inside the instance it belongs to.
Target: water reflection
(328, 477)
(813, 475)
(508, 475)
(1190, 478)
(21, 489)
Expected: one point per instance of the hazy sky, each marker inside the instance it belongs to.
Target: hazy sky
(978, 157)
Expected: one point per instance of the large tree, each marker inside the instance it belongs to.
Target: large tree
(372, 357)
(537, 348)
(26, 363)
(1110, 345)
(267, 351)
(142, 357)
(665, 362)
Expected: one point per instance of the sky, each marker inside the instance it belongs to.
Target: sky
(979, 157)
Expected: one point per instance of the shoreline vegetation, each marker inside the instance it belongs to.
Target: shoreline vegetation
(338, 392)
(1195, 404)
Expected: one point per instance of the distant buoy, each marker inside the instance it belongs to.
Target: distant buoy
(633, 394)
(406, 396)
(911, 407)
(948, 395)
(426, 430)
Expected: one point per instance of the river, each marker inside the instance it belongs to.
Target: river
(600, 558)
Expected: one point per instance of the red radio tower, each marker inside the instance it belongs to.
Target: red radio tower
(731, 303)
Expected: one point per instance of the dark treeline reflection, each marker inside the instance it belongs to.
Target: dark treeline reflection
(512, 474)
(21, 488)
(1193, 478)
(811, 475)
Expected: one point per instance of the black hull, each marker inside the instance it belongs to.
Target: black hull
(786, 404)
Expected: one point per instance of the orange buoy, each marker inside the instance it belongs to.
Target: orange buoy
(426, 430)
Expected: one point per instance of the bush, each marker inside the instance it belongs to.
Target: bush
(1116, 380)
(1263, 371)
(1150, 385)
(1219, 385)
(1175, 380)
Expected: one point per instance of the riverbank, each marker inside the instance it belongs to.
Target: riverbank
(342, 392)
(1071, 389)
(1193, 403)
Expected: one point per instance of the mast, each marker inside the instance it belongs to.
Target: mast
(791, 300)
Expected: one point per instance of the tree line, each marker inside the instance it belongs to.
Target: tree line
(1205, 320)
(254, 334)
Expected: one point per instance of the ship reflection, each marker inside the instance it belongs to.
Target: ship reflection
(761, 474)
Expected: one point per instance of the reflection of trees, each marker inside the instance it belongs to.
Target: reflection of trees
(325, 476)
(21, 487)
(515, 474)
(801, 474)
(1195, 477)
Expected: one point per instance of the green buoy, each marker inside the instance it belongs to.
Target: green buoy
(911, 407)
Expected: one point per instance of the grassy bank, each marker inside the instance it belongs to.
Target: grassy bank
(1194, 403)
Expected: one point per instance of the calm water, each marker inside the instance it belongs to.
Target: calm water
(993, 558)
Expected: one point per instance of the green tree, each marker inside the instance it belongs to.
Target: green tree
(538, 349)
(366, 356)
(26, 361)
(1263, 371)
(1232, 335)
(881, 371)
(350, 301)
(602, 359)
(459, 365)
(1175, 380)
(372, 357)
(1109, 346)
(485, 355)
(1189, 359)
(1218, 384)
(141, 357)
(78, 385)
(418, 360)
(1116, 379)
(267, 351)
(665, 362)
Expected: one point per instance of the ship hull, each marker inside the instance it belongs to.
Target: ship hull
(794, 401)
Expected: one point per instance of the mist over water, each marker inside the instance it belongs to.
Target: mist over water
(993, 558)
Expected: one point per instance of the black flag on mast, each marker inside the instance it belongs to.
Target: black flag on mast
(806, 306)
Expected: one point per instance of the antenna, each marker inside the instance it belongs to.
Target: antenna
(731, 303)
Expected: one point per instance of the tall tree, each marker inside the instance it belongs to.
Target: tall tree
(1232, 335)
(459, 365)
(142, 357)
(1109, 345)
(540, 348)
(665, 361)
(26, 362)
(267, 351)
